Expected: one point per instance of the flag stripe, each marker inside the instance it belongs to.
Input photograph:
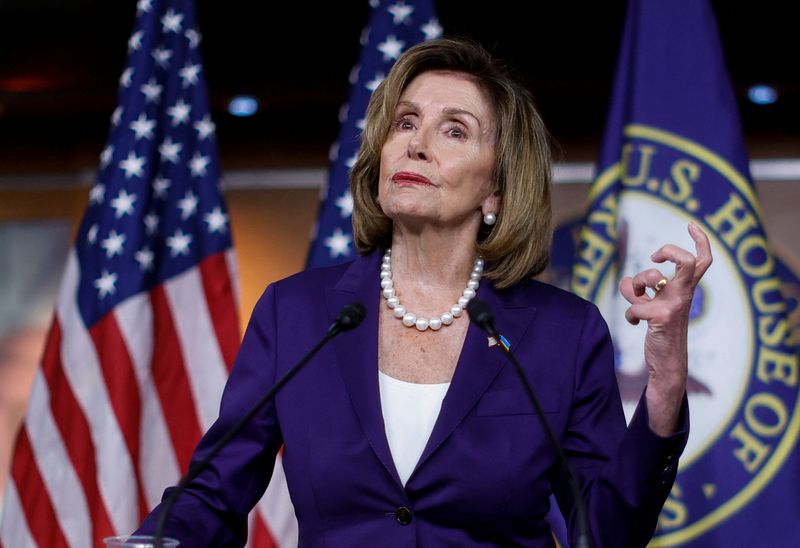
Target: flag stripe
(82, 369)
(221, 304)
(15, 532)
(74, 431)
(123, 388)
(203, 359)
(59, 477)
(39, 512)
(233, 276)
(158, 465)
(277, 509)
(171, 381)
(119, 377)
(259, 534)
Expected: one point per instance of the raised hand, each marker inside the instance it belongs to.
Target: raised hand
(666, 312)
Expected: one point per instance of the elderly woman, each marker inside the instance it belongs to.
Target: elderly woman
(412, 430)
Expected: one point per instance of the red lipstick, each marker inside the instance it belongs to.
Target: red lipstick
(410, 178)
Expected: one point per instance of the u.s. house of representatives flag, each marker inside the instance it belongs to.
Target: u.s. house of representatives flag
(145, 328)
(393, 27)
(672, 154)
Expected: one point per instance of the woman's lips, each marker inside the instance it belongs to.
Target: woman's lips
(407, 178)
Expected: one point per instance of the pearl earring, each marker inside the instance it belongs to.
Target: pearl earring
(490, 218)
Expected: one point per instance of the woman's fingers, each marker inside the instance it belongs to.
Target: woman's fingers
(651, 277)
(685, 262)
(626, 288)
(634, 314)
(689, 268)
(703, 248)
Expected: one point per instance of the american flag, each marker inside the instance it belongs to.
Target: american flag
(145, 328)
(393, 27)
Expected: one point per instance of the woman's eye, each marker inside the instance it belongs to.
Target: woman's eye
(456, 132)
(404, 123)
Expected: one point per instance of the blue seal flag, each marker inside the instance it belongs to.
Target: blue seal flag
(673, 153)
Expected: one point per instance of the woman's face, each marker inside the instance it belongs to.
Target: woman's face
(437, 161)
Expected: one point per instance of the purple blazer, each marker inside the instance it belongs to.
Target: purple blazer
(487, 471)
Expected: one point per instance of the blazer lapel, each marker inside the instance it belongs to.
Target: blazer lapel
(357, 352)
(478, 364)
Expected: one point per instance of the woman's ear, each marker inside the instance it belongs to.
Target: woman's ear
(491, 204)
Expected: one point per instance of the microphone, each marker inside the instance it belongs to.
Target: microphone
(481, 315)
(349, 318)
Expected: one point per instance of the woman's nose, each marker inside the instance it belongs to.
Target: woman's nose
(417, 147)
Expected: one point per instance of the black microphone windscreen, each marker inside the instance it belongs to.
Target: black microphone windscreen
(480, 313)
(351, 316)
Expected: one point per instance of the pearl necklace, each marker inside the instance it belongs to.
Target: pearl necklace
(410, 319)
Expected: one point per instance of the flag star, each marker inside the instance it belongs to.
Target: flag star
(188, 205)
(91, 234)
(361, 123)
(123, 203)
(373, 84)
(374, 3)
(116, 116)
(353, 78)
(179, 112)
(160, 186)
(105, 284)
(169, 150)
(217, 220)
(345, 204)
(144, 5)
(178, 243)
(338, 243)
(193, 36)
(113, 244)
(391, 48)
(343, 111)
(401, 12)
(97, 194)
(363, 39)
(142, 127)
(132, 165)
(151, 90)
(125, 79)
(205, 127)
(106, 156)
(198, 164)
(145, 258)
(432, 29)
(162, 56)
(171, 21)
(351, 161)
(189, 74)
(151, 223)
(135, 41)
(333, 152)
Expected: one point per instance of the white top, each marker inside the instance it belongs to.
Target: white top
(409, 413)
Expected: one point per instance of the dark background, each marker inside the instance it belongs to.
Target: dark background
(60, 63)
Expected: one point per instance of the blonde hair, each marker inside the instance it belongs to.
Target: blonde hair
(518, 245)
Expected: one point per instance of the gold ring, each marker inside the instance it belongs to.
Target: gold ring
(660, 285)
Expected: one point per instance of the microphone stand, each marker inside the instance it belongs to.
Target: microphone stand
(350, 317)
(482, 316)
